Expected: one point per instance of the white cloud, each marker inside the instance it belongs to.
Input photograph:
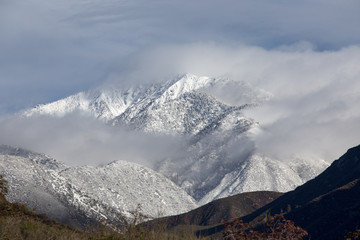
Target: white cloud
(82, 140)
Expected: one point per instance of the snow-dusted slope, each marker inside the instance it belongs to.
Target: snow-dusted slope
(87, 194)
(219, 159)
(103, 104)
(120, 106)
(210, 153)
(123, 185)
(259, 171)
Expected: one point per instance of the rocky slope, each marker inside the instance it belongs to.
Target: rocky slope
(82, 195)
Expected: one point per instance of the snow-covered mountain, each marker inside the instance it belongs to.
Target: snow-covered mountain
(219, 158)
(259, 170)
(112, 103)
(79, 195)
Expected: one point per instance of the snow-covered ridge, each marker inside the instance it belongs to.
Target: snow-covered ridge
(78, 195)
(105, 104)
(185, 84)
(110, 102)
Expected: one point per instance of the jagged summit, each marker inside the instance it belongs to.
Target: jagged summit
(110, 102)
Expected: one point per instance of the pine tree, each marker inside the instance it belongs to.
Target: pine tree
(3, 186)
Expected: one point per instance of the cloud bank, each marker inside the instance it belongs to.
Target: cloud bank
(77, 140)
(306, 53)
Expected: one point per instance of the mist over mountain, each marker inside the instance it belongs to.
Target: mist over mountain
(208, 99)
(304, 53)
(181, 128)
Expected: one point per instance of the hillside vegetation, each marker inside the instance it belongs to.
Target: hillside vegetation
(17, 222)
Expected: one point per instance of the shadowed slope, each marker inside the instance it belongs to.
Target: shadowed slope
(214, 212)
(328, 207)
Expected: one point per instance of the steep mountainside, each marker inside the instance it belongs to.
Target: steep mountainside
(256, 170)
(328, 206)
(215, 212)
(219, 158)
(87, 194)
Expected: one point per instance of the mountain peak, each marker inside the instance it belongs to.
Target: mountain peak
(108, 102)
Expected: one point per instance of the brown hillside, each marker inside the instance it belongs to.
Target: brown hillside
(222, 209)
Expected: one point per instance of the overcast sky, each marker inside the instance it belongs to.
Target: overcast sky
(306, 53)
(50, 49)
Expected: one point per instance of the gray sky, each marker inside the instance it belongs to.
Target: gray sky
(50, 49)
(306, 53)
